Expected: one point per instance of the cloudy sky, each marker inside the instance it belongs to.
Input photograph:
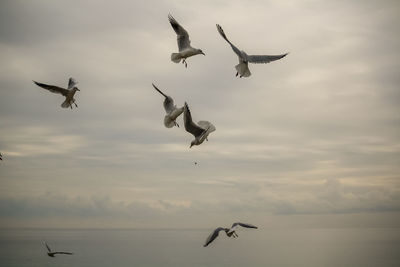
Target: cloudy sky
(304, 140)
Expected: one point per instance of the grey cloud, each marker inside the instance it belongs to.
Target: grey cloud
(328, 111)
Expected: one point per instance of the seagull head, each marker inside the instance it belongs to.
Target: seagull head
(199, 51)
(193, 143)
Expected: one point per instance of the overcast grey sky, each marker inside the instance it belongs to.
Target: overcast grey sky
(313, 136)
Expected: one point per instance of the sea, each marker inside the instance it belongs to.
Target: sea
(173, 248)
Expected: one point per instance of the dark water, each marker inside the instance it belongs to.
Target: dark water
(300, 247)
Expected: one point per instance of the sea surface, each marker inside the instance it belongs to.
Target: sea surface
(262, 247)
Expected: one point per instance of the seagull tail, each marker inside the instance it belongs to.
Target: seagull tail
(65, 104)
(175, 57)
(243, 70)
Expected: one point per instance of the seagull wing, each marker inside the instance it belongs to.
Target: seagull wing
(190, 126)
(48, 248)
(168, 102)
(61, 252)
(71, 83)
(235, 49)
(264, 58)
(206, 125)
(182, 34)
(213, 236)
(237, 224)
(53, 88)
(246, 225)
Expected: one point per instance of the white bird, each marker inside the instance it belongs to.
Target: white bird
(200, 131)
(230, 232)
(68, 93)
(185, 50)
(172, 111)
(242, 69)
(53, 253)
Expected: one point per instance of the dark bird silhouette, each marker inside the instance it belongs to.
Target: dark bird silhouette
(53, 253)
(230, 232)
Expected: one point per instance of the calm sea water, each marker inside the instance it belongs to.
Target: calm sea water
(300, 247)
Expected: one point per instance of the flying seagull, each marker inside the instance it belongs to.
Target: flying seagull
(185, 50)
(230, 232)
(242, 69)
(172, 111)
(68, 93)
(201, 130)
(53, 253)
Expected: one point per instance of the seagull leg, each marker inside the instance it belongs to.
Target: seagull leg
(75, 104)
(237, 73)
(184, 61)
(176, 124)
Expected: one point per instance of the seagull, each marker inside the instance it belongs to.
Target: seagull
(172, 111)
(68, 93)
(242, 69)
(52, 254)
(230, 232)
(1, 156)
(185, 50)
(201, 130)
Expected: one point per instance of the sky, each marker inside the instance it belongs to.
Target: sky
(311, 140)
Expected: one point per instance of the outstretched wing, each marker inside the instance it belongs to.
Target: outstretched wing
(48, 248)
(168, 102)
(264, 58)
(53, 88)
(182, 34)
(190, 126)
(213, 236)
(71, 83)
(235, 49)
(206, 125)
(237, 224)
(61, 252)
(246, 225)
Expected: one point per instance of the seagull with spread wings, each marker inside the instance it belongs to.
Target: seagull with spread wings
(185, 50)
(230, 232)
(200, 131)
(53, 253)
(68, 93)
(172, 111)
(242, 69)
